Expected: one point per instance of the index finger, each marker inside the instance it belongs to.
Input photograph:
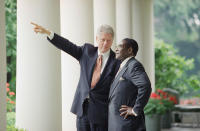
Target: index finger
(34, 24)
(122, 109)
(124, 106)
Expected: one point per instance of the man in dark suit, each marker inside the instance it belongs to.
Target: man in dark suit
(129, 91)
(98, 69)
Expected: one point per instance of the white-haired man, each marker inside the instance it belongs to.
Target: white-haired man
(98, 68)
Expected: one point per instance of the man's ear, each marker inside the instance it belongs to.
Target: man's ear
(130, 50)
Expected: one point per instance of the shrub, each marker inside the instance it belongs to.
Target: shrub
(10, 99)
(171, 69)
(159, 103)
(10, 118)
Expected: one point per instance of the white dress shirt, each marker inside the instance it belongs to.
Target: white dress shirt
(125, 61)
(51, 35)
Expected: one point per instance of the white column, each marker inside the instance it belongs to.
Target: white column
(104, 13)
(77, 26)
(38, 102)
(123, 19)
(142, 29)
(2, 68)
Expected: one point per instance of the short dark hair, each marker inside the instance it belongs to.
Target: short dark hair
(131, 43)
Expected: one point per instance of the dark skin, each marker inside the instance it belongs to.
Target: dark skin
(123, 52)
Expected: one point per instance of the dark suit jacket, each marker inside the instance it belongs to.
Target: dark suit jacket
(131, 87)
(87, 55)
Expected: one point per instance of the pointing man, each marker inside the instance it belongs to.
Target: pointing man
(98, 68)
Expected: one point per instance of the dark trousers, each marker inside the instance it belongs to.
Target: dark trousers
(83, 123)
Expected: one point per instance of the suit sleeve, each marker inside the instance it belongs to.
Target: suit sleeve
(140, 79)
(67, 46)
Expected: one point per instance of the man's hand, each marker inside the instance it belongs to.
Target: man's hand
(40, 29)
(127, 111)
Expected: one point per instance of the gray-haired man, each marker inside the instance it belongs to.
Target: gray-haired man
(98, 69)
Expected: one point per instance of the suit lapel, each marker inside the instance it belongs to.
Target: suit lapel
(119, 75)
(116, 80)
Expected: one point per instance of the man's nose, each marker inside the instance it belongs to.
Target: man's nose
(105, 42)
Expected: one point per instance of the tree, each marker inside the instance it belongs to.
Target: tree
(11, 29)
(170, 69)
(177, 22)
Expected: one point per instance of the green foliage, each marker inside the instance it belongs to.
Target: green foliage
(194, 82)
(10, 107)
(170, 69)
(10, 118)
(159, 103)
(11, 29)
(154, 106)
(12, 128)
(178, 22)
(176, 18)
(11, 122)
(10, 100)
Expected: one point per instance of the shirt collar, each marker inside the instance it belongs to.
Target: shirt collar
(105, 55)
(125, 61)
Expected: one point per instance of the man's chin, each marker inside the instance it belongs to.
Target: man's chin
(117, 57)
(104, 50)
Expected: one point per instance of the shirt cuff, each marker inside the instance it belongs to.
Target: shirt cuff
(51, 36)
(134, 112)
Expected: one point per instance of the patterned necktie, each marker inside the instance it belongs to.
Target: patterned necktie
(97, 71)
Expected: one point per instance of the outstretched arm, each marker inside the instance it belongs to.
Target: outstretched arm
(60, 42)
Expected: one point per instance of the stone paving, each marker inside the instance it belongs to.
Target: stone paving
(181, 129)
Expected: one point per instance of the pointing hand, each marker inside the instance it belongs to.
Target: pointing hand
(40, 29)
